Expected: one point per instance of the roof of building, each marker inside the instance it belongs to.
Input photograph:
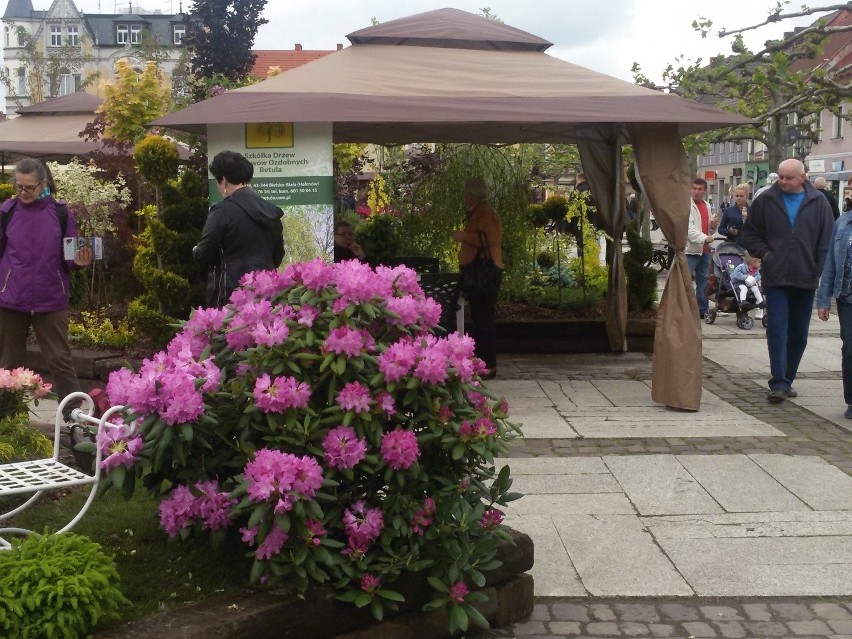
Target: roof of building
(20, 9)
(103, 26)
(285, 60)
(837, 50)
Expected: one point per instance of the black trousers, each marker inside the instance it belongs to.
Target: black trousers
(482, 315)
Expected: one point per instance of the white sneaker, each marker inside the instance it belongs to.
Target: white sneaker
(758, 314)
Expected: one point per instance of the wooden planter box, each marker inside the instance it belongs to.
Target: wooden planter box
(284, 613)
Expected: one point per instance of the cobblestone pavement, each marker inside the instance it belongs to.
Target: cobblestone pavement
(802, 433)
(733, 619)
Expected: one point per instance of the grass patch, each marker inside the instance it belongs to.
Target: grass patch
(156, 572)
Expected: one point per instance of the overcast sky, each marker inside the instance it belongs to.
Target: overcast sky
(604, 35)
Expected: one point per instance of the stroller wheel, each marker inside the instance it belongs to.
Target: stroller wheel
(765, 321)
(710, 317)
(745, 322)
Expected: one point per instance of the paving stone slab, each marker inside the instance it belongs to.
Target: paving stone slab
(553, 573)
(544, 423)
(771, 524)
(816, 482)
(601, 503)
(569, 394)
(780, 566)
(740, 485)
(557, 484)
(614, 555)
(553, 465)
(663, 423)
(660, 485)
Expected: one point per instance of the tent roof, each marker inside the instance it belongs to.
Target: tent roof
(400, 91)
(79, 103)
(52, 138)
(50, 130)
(450, 28)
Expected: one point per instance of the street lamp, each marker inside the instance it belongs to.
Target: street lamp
(801, 141)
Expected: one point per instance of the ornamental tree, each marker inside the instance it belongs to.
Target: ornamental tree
(785, 85)
(318, 417)
(132, 100)
(221, 36)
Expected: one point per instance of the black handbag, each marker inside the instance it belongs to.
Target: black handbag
(481, 276)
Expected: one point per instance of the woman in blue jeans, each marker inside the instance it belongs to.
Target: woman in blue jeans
(836, 282)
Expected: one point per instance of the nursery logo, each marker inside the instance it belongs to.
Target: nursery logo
(269, 135)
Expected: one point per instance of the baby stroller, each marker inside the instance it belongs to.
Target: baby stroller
(726, 257)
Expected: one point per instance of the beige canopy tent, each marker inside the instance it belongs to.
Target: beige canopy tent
(50, 130)
(450, 76)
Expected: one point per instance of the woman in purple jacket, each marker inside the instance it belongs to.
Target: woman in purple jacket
(34, 276)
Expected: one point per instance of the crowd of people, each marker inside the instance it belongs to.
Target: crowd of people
(798, 247)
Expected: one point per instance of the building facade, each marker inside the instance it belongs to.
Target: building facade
(77, 51)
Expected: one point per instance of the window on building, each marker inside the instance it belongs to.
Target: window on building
(837, 128)
(66, 82)
(122, 34)
(55, 35)
(22, 81)
(7, 38)
(74, 36)
(22, 38)
(135, 33)
(178, 32)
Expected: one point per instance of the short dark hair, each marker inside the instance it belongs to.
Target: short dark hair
(342, 223)
(232, 166)
(700, 182)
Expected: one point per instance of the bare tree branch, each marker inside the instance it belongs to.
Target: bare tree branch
(777, 16)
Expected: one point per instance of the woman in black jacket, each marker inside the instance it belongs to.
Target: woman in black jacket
(243, 232)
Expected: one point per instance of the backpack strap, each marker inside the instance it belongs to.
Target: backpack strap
(4, 222)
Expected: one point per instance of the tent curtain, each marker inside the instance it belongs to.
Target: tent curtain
(600, 154)
(663, 171)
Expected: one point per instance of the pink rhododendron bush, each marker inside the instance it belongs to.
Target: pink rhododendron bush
(318, 418)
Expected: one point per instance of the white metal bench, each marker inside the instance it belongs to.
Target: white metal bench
(41, 475)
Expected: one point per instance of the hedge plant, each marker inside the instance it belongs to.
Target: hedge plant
(56, 586)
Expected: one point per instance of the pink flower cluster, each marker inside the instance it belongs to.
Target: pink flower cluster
(342, 448)
(422, 519)
(23, 380)
(183, 508)
(272, 543)
(400, 449)
(483, 428)
(355, 397)
(348, 341)
(120, 445)
(17, 388)
(171, 384)
(458, 591)
(363, 525)
(491, 518)
(279, 394)
(430, 359)
(282, 478)
(370, 583)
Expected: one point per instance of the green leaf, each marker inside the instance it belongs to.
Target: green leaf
(458, 618)
(117, 476)
(437, 584)
(476, 617)
(391, 595)
(186, 432)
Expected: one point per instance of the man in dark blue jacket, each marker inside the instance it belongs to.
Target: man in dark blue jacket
(789, 228)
